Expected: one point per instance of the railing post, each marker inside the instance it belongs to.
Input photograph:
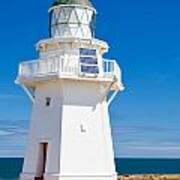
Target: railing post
(20, 70)
(106, 70)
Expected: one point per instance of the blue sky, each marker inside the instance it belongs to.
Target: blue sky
(144, 37)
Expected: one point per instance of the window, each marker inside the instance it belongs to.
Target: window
(90, 52)
(48, 101)
(89, 62)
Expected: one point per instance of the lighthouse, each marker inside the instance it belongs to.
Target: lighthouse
(71, 87)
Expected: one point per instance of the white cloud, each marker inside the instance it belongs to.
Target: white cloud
(6, 133)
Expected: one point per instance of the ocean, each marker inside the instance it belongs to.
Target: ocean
(10, 168)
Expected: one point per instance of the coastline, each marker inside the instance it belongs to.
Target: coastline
(150, 177)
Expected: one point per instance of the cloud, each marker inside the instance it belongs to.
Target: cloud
(144, 128)
(5, 133)
(10, 133)
(13, 137)
(158, 148)
(12, 152)
(147, 149)
(146, 141)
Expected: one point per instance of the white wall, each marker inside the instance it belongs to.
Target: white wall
(76, 126)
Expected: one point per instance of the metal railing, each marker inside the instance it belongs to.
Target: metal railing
(67, 67)
(111, 68)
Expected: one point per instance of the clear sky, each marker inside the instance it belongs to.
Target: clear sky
(144, 37)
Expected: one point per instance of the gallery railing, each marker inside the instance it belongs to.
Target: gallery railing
(68, 67)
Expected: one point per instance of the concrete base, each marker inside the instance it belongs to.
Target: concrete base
(83, 177)
(28, 176)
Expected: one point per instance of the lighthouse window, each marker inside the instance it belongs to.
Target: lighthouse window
(48, 101)
(90, 69)
(89, 62)
(88, 52)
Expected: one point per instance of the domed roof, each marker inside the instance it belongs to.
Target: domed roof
(78, 2)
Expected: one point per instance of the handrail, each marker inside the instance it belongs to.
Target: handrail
(64, 66)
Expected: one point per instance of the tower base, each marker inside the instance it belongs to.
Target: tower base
(80, 177)
(27, 176)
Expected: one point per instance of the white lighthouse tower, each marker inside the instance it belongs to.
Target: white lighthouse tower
(69, 85)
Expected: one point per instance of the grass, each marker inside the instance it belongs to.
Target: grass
(150, 177)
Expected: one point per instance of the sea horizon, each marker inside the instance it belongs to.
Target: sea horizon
(124, 157)
(11, 167)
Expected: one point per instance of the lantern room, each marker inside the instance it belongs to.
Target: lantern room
(73, 18)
